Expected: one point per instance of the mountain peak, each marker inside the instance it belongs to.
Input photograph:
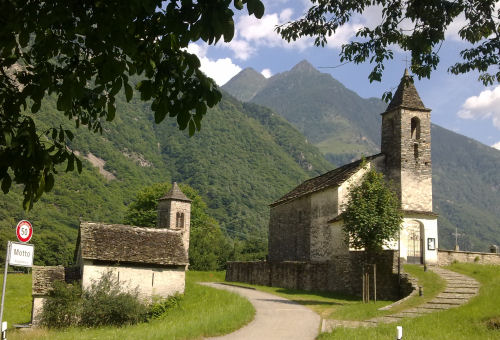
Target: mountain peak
(245, 84)
(304, 66)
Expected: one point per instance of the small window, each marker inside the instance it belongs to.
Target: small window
(415, 128)
(179, 224)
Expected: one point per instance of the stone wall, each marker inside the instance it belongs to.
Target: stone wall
(289, 231)
(343, 274)
(446, 257)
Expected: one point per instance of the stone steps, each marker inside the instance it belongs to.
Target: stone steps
(459, 290)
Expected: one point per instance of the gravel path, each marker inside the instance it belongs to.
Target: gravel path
(275, 317)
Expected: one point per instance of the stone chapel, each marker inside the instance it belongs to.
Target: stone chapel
(306, 223)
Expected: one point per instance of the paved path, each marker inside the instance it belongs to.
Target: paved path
(459, 290)
(275, 317)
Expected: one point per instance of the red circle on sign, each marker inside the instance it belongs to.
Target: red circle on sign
(24, 231)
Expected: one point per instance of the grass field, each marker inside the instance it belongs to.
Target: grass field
(17, 309)
(464, 323)
(204, 311)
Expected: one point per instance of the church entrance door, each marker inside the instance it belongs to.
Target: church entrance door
(414, 245)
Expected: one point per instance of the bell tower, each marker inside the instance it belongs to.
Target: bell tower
(174, 213)
(406, 144)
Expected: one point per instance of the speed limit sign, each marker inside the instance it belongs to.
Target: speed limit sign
(24, 231)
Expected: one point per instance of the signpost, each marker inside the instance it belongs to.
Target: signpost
(18, 254)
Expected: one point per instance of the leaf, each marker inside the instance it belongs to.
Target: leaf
(69, 134)
(6, 183)
(191, 128)
(128, 91)
(49, 182)
(111, 112)
(71, 163)
(36, 106)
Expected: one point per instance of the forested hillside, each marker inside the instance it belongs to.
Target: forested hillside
(344, 126)
(244, 157)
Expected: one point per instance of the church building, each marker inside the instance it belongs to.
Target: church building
(306, 223)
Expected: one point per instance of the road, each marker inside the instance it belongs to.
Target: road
(275, 318)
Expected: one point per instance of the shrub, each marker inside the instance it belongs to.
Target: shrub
(493, 323)
(160, 308)
(476, 259)
(63, 306)
(104, 303)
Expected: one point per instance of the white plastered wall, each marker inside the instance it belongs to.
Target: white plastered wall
(150, 282)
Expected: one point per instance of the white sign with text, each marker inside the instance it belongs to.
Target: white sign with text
(21, 254)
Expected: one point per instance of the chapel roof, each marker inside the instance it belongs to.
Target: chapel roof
(124, 243)
(332, 178)
(175, 194)
(406, 95)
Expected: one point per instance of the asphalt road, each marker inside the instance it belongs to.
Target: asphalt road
(275, 317)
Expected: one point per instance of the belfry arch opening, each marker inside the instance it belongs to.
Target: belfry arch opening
(415, 128)
(179, 222)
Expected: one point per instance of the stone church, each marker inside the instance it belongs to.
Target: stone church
(306, 223)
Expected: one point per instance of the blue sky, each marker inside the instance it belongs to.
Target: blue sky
(459, 103)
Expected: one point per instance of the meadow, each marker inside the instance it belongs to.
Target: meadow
(203, 312)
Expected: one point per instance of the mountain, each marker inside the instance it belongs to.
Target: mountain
(246, 84)
(244, 157)
(344, 126)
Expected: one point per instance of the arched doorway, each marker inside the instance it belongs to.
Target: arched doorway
(415, 248)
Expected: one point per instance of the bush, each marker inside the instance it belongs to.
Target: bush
(104, 303)
(63, 306)
(160, 308)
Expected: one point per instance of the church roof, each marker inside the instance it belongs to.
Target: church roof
(175, 194)
(129, 244)
(332, 178)
(406, 95)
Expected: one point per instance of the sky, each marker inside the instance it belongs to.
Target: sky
(459, 103)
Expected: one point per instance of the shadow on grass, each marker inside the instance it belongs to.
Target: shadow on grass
(302, 302)
(328, 295)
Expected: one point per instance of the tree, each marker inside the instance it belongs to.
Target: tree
(84, 53)
(208, 247)
(417, 26)
(373, 214)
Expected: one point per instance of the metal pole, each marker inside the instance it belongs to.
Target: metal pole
(4, 281)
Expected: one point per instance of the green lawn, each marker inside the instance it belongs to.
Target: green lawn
(204, 311)
(17, 307)
(463, 323)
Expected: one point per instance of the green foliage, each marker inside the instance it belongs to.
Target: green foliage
(208, 247)
(84, 54)
(160, 308)
(105, 303)
(429, 22)
(373, 214)
(63, 307)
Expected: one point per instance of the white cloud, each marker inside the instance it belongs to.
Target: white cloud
(220, 70)
(266, 73)
(484, 106)
(496, 146)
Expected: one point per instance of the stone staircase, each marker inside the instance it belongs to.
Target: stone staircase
(459, 290)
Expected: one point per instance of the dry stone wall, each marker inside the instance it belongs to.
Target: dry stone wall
(342, 274)
(447, 257)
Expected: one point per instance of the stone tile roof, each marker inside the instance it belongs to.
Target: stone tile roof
(43, 277)
(175, 194)
(332, 178)
(122, 243)
(406, 95)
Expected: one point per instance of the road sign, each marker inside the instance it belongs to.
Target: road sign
(21, 254)
(24, 231)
